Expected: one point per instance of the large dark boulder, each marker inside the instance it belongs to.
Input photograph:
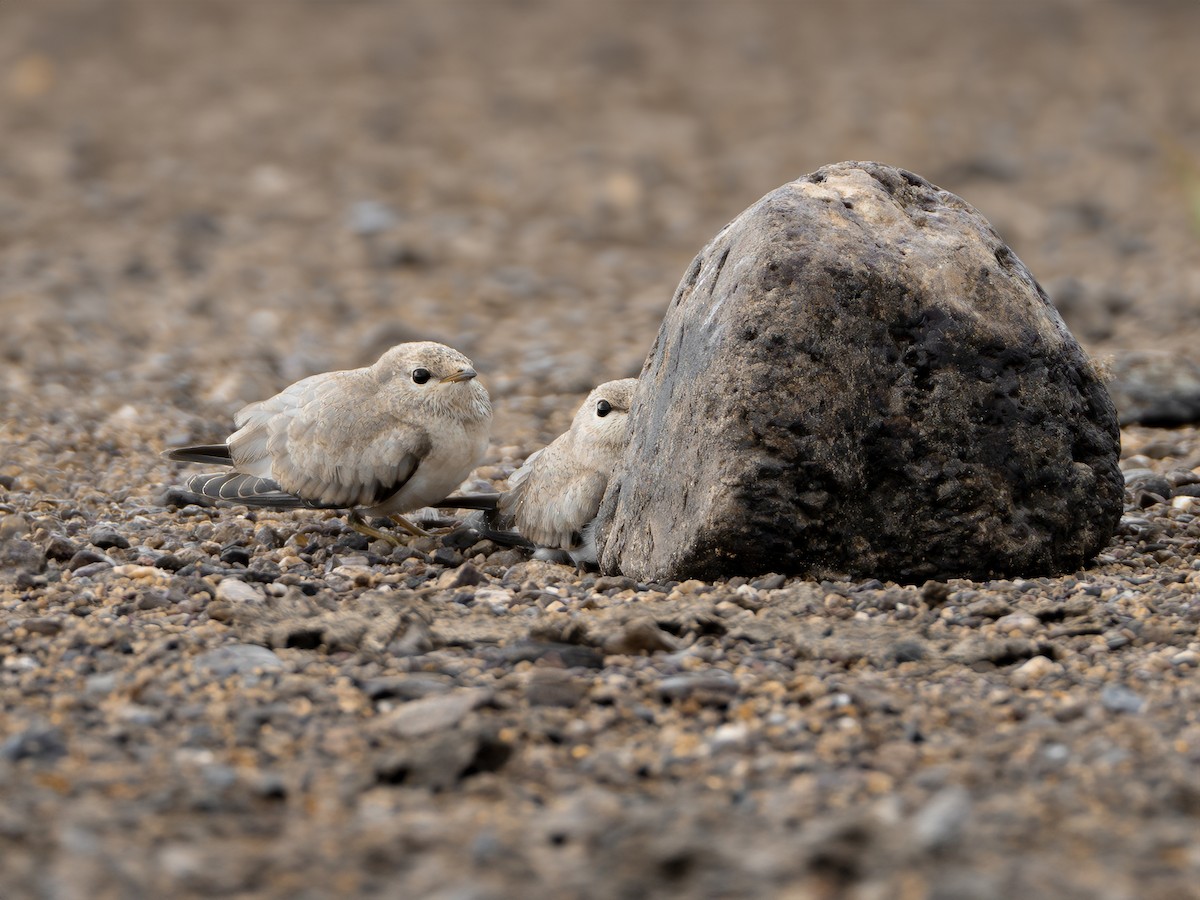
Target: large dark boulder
(857, 376)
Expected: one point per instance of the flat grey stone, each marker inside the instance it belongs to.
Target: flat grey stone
(237, 659)
(434, 713)
(233, 590)
(1116, 698)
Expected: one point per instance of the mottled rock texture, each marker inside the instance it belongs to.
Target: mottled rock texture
(858, 376)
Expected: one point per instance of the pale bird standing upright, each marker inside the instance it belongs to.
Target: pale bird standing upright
(384, 439)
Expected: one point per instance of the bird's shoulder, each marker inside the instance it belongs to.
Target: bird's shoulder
(295, 396)
(340, 414)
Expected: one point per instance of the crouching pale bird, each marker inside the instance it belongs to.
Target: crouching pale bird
(381, 440)
(553, 498)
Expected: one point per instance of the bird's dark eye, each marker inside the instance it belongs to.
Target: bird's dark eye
(420, 376)
(603, 408)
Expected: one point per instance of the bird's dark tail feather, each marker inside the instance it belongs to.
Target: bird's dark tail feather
(479, 523)
(486, 502)
(209, 454)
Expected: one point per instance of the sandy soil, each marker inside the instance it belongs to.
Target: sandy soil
(202, 201)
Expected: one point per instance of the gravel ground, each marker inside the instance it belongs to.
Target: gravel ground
(201, 202)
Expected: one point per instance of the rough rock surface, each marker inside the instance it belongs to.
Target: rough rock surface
(858, 375)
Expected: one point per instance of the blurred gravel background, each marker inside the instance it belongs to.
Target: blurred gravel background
(204, 200)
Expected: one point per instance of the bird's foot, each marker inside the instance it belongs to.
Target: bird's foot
(356, 522)
(408, 526)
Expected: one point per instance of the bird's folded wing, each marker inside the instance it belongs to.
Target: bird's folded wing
(539, 461)
(257, 421)
(551, 507)
(528, 466)
(346, 451)
(236, 487)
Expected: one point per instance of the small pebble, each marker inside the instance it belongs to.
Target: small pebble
(434, 713)
(1034, 670)
(941, 820)
(236, 659)
(640, 636)
(107, 539)
(235, 556)
(61, 548)
(233, 591)
(714, 686)
(92, 569)
(1116, 698)
(447, 556)
(86, 558)
(40, 625)
(38, 742)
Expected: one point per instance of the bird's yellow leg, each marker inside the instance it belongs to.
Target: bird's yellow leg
(408, 526)
(355, 521)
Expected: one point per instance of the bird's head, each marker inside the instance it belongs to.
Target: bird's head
(433, 377)
(601, 420)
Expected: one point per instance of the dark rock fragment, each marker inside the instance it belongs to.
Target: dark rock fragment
(177, 498)
(351, 542)
(460, 538)
(20, 560)
(569, 656)
(38, 742)
(1148, 483)
(235, 556)
(61, 548)
(405, 687)
(467, 576)
(86, 557)
(642, 635)
(908, 650)
(447, 556)
(42, 625)
(169, 562)
(108, 538)
(262, 570)
(440, 760)
(554, 687)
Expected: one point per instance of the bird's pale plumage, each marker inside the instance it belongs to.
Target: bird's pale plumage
(384, 439)
(554, 497)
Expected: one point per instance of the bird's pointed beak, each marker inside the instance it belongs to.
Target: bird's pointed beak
(460, 375)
